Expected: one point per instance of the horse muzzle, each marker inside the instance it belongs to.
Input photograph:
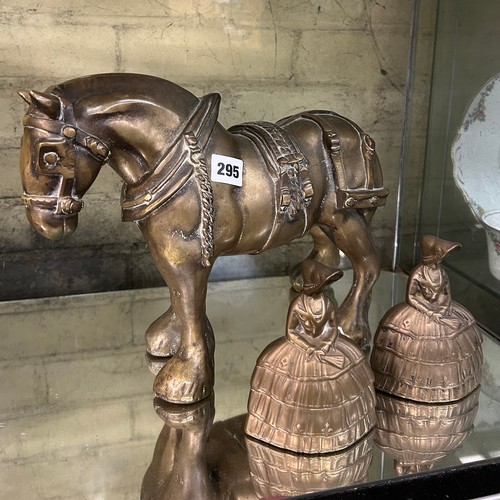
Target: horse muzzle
(52, 217)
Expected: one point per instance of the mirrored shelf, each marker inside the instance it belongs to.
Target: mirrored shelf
(78, 420)
(461, 161)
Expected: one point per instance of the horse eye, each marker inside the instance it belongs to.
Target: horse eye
(51, 158)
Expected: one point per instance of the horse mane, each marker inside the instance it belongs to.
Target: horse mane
(133, 85)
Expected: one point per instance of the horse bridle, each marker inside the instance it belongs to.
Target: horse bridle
(58, 158)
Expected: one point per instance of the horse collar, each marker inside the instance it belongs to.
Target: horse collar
(175, 168)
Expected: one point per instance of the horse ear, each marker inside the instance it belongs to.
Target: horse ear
(48, 103)
(25, 94)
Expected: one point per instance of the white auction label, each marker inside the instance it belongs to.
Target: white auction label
(227, 169)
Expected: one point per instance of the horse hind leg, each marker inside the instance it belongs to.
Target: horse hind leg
(324, 251)
(350, 231)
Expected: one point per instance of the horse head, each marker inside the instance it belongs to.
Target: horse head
(134, 121)
(59, 162)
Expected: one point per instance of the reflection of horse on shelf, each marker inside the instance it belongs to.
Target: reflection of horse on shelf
(196, 458)
(315, 172)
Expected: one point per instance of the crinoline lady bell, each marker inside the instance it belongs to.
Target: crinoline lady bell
(429, 347)
(311, 390)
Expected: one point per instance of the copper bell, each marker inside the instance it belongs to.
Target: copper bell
(428, 348)
(311, 390)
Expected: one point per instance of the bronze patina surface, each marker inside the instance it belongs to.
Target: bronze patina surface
(312, 390)
(428, 348)
(195, 458)
(314, 172)
(277, 473)
(417, 435)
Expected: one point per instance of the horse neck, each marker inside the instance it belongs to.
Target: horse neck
(137, 134)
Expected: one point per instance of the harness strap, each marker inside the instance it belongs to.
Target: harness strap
(282, 157)
(366, 196)
(290, 169)
(93, 145)
(175, 168)
(63, 202)
(65, 205)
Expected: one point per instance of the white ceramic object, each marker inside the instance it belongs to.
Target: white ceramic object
(476, 151)
(491, 222)
(476, 164)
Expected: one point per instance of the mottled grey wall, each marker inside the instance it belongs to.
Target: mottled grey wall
(268, 59)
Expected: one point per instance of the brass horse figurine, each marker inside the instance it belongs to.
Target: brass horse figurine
(198, 191)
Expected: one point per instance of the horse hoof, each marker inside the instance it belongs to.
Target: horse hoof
(196, 417)
(187, 393)
(155, 364)
(353, 325)
(296, 279)
(161, 348)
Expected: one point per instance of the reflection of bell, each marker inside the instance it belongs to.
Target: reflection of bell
(228, 460)
(311, 391)
(280, 473)
(416, 435)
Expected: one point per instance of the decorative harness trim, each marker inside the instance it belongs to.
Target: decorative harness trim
(175, 168)
(288, 167)
(93, 145)
(367, 196)
(184, 157)
(207, 199)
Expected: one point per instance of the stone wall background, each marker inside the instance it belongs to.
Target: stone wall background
(268, 59)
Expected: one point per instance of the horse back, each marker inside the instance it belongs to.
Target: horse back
(281, 188)
(296, 169)
(352, 158)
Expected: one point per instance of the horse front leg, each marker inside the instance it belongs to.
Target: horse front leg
(189, 375)
(351, 233)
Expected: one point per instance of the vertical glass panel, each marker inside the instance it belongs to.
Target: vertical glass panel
(467, 55)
